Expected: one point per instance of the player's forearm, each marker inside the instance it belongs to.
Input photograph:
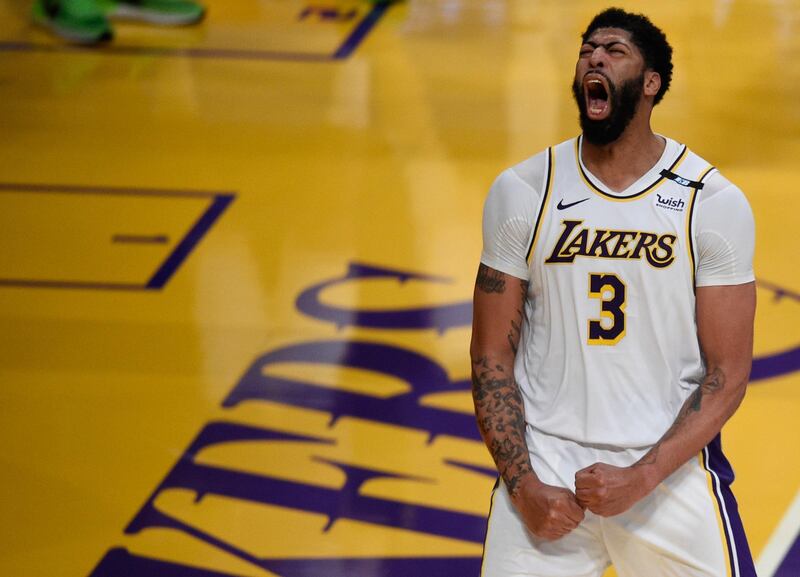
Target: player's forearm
(496, 330)
(501, 417)
(699, 420)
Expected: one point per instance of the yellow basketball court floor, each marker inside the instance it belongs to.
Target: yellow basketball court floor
(237, 260)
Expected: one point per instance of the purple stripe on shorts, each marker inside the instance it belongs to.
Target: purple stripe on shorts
(722, 477)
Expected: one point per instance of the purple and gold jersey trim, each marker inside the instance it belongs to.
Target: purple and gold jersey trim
(690, 224)
(544, 203)
(649, 188)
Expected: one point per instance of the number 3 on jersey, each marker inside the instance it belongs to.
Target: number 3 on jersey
(611, 291)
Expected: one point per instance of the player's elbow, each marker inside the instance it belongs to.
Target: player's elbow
(736, 385)
(483, 354)
(475, 348)
(740, 388)
(479, 349)
(739, 376)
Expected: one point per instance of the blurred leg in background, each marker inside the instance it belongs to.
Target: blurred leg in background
(87, 21)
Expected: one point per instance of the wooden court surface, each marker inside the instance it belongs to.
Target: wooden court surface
(237, 261)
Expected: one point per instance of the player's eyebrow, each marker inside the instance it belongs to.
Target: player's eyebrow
(606, 45)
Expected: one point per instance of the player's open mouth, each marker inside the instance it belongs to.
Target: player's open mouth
(596, 92)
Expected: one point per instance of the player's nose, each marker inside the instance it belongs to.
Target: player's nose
(598, 57)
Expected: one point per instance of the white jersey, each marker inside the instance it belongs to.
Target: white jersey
(609, 351)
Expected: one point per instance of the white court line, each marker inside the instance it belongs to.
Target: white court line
(780, 541)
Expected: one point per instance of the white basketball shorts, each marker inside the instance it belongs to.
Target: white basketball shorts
(689, 526)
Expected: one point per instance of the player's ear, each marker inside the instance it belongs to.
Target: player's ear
(652, 82)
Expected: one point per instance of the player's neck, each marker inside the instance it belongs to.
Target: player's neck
(624, 161)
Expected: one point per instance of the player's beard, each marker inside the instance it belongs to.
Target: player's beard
(623, 100)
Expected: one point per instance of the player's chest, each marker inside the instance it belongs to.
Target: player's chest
(650, 228)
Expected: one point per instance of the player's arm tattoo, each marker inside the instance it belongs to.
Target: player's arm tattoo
(501, 419)
(714, 381)
(490, 280)
(500, 410)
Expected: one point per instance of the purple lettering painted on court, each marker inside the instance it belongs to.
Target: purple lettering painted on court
(441, 317)
(422, 373)
(341, 503)
(383, 567)
(774, 365)
(328, 13)
(424, 376)
(119, 562)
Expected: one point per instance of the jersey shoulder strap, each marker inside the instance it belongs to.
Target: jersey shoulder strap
(691, 172)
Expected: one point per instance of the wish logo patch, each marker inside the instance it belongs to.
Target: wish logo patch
(670, 203)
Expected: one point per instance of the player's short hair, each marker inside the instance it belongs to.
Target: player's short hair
(648, 38)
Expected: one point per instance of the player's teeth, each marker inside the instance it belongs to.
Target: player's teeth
(596, 107)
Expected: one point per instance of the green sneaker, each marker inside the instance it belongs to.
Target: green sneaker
(163, 12)
(80, 21)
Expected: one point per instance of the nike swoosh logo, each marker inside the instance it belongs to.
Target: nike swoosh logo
(562, 206)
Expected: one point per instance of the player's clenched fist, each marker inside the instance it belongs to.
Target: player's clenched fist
(608, 490)
(548, 512)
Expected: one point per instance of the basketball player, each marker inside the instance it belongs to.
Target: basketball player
(612, 337)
